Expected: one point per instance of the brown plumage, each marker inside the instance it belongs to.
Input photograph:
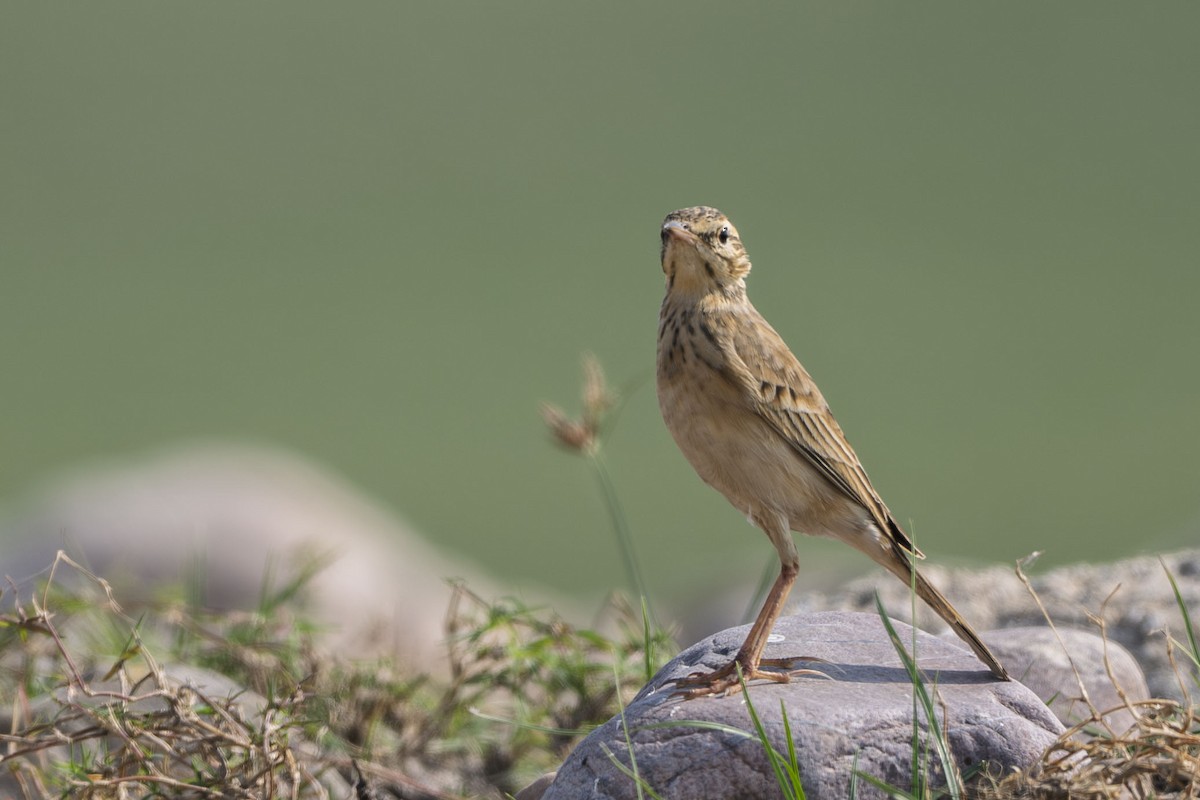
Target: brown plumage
(755, 427)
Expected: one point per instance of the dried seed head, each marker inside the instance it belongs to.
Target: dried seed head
(583, 435)
(573, 435)
(597, 398)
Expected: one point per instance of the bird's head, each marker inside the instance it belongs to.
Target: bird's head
(701, 251)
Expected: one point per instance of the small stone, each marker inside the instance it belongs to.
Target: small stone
(535, 790)
(1047, 662)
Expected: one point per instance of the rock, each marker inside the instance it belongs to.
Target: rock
(863, 710)
(1036, 657)
(537, 789)
(229, 518)
(1138, 605)
(1134, 597)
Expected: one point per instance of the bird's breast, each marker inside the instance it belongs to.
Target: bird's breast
(738, 453)
(732, 449)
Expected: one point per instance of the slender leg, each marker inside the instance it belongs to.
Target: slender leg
(749, 656)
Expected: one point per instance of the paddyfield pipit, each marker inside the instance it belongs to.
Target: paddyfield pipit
(755, 427)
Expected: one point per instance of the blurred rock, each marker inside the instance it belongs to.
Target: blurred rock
(1047, 664)
(862, 719)
(227, 520)
(537, 789)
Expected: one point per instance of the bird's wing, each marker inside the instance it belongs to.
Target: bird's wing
(782, 393)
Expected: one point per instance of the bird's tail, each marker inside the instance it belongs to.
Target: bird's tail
(938, 602)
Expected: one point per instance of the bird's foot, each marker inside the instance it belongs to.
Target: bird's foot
(730, 678)
(789, 665)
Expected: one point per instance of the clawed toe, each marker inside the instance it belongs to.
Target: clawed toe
(730, 678)
(788, 665)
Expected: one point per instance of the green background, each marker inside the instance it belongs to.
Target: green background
(380, 233)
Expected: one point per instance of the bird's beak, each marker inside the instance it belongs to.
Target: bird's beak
(675, 230)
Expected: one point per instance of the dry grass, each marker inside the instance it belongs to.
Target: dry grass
(1158, 756)
(184, 703)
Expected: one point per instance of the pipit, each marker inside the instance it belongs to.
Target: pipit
(755, 427)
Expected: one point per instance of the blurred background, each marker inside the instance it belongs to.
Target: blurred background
(379, 234)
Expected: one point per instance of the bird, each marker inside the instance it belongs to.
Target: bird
(755, 427)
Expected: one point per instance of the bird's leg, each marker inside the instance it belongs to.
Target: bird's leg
(749, 656)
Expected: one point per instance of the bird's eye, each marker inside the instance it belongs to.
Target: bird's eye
(724, 234)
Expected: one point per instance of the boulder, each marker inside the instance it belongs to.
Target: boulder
(229, 520)
(1134, 597)
(856, 715)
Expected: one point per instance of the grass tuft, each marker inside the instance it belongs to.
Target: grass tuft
(183, 702)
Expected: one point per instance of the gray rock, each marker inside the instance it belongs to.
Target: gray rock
(1133, 596)
(1036, 657)
(863, 710)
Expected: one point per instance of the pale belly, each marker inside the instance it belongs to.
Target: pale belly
(740, 455)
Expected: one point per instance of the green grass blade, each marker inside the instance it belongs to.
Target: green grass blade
(639, 782)
(620, 523)
(887, 788)
(528, 726)
(793, 762)
(787, 768)
(632, 769)
(921, 691)
(647, 640)
(787, 777)
(1187, 618)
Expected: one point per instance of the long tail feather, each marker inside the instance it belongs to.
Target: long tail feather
(938, 602)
